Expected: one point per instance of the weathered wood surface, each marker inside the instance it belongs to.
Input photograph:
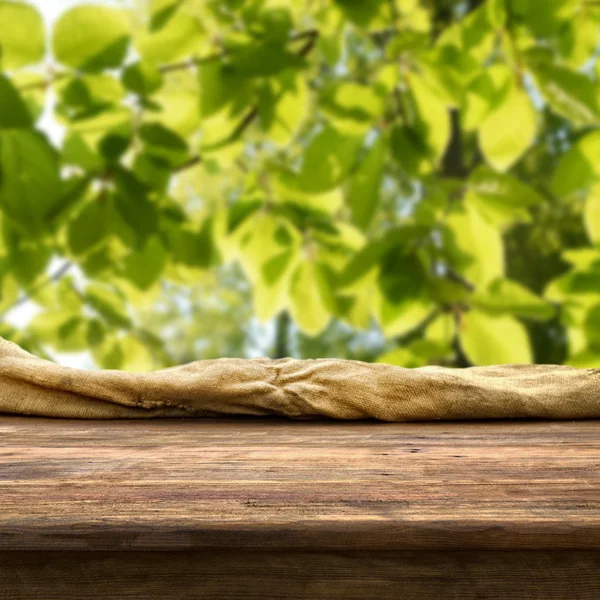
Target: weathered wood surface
(301, 575)
(305, 486)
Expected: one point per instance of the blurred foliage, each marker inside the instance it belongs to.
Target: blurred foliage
(411, 181)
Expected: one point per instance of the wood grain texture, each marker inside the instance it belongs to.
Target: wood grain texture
(268, 484)
(301, 575)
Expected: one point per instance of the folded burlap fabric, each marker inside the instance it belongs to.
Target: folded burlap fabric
(340, 389)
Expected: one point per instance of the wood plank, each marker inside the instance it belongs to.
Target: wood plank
(263, 575)
(191, 484)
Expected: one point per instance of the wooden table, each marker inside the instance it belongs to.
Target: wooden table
(261, 509)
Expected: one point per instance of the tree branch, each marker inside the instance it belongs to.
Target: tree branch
(311, 36)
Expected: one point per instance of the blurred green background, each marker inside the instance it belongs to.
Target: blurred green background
(409, 181)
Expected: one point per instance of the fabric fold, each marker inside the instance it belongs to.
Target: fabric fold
(300, 389)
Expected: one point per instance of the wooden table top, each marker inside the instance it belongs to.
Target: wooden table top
(183, 484)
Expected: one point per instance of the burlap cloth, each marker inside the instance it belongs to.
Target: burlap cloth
(340, 389)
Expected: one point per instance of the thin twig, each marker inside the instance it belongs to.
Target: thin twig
(311, 36)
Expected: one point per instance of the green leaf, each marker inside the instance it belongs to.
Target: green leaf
(402, 357)
(133, 204)
(419, 144)
(161, 11)
(142, 78)
(365, 185)
(77, 151)
(109, 354)
(218, 87)
(592, 328)
(570, 94)
(291, 108)
(433, 119)
(22, 35)
(509, 130)
(271, 290)
(29, 179)
(360, 12)
(327, 160)
(65, 330)
(579, 37)
(241, 210)
(504, 296)
(262, 59)
(400, 318)
(493, 340)
(113, 146)
(373, 252)
(143, 268)
(28, 262)
(271, 23)
(13, 110)
(108, 304)
(353, 107)
(96, 332)
(480, 242)
(180, 37)
(579, 167)
(309, 304)
(136, 355)
(500, 198)
(89, 227)
(402, 275)
(91, 38)
(478, 101)
(152, 171)
(162, 143)
(190, 247)
(591, 214)
(9, 288)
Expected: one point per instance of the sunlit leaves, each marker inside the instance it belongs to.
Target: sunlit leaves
(490, 340)
(503, 296)
(22, 35)
(387, 166)
(177, 102)
(364, 188)
(178, 38)
(500, 198)
(291, 107)
(108, 304)
(360, 12)
(353, 107)
(592, 214)
(509, 130)
(89, 227)
(164, 144)
(142, 78)
(570, 93)
(310, 297)
(479, 245)
(578, 166)
(13, 111)
(144, 267)
(402, 274)
(91, 37)
(398, 319)
(161, 11)
(419, 143)
(327, 160)
(29, 178)
(262, 59)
